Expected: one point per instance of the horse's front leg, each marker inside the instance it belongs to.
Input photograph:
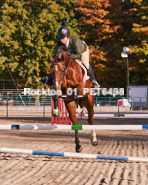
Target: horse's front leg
(70, 105)
(55, 111)
(78, 146)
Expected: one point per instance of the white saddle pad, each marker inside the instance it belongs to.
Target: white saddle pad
(86, 77)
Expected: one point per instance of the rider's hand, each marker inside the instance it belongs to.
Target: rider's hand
(68, 53)
(71, 55)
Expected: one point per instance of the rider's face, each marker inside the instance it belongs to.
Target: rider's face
(64, 41)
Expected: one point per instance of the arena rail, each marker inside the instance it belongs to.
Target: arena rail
(99, 115)
(135, 115)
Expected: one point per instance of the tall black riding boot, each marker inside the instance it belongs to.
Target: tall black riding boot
(92, 77)
(47, 80)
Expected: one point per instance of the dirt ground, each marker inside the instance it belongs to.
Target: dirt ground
(24, 169)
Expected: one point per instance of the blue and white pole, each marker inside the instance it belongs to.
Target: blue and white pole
(73, 155)
(73, 127)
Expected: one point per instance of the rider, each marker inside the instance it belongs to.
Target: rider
(79, 51)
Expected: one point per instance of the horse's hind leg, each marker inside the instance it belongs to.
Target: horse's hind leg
(79, 109)
(88, 102)
(70, 105)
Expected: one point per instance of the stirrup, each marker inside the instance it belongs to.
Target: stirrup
(44, 80)
(95, 84)
(47, 80)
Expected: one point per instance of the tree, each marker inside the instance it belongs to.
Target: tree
(28, 35)
(108, 26)
(98, 31)
(139, 42)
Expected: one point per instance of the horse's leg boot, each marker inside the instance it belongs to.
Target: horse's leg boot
(78, 146)
(76, 97)
(92, 77)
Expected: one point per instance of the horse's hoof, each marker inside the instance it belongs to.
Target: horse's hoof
(78, 149)
(94, 143)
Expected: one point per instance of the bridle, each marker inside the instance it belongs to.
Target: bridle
(63, 71)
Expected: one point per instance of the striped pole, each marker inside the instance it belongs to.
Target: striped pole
(73, 155)
(73, 127)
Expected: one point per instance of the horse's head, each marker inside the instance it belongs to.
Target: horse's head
(58, 72)
(58, 68)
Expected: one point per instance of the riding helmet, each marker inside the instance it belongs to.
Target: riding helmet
(63, 32)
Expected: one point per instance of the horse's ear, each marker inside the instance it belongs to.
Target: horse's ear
(51, 59)
(62, 58)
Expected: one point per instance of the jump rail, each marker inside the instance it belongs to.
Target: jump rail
(73, 127)
(73, 155)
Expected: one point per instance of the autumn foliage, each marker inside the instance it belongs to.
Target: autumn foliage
(108, 26)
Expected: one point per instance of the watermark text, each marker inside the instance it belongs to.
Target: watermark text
(92, 91)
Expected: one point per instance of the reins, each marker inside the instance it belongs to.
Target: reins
(64, 71)
(66, 68)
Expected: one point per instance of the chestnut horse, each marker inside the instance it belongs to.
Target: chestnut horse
(68, 74)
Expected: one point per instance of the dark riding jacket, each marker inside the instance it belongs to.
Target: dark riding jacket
(76, 46)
